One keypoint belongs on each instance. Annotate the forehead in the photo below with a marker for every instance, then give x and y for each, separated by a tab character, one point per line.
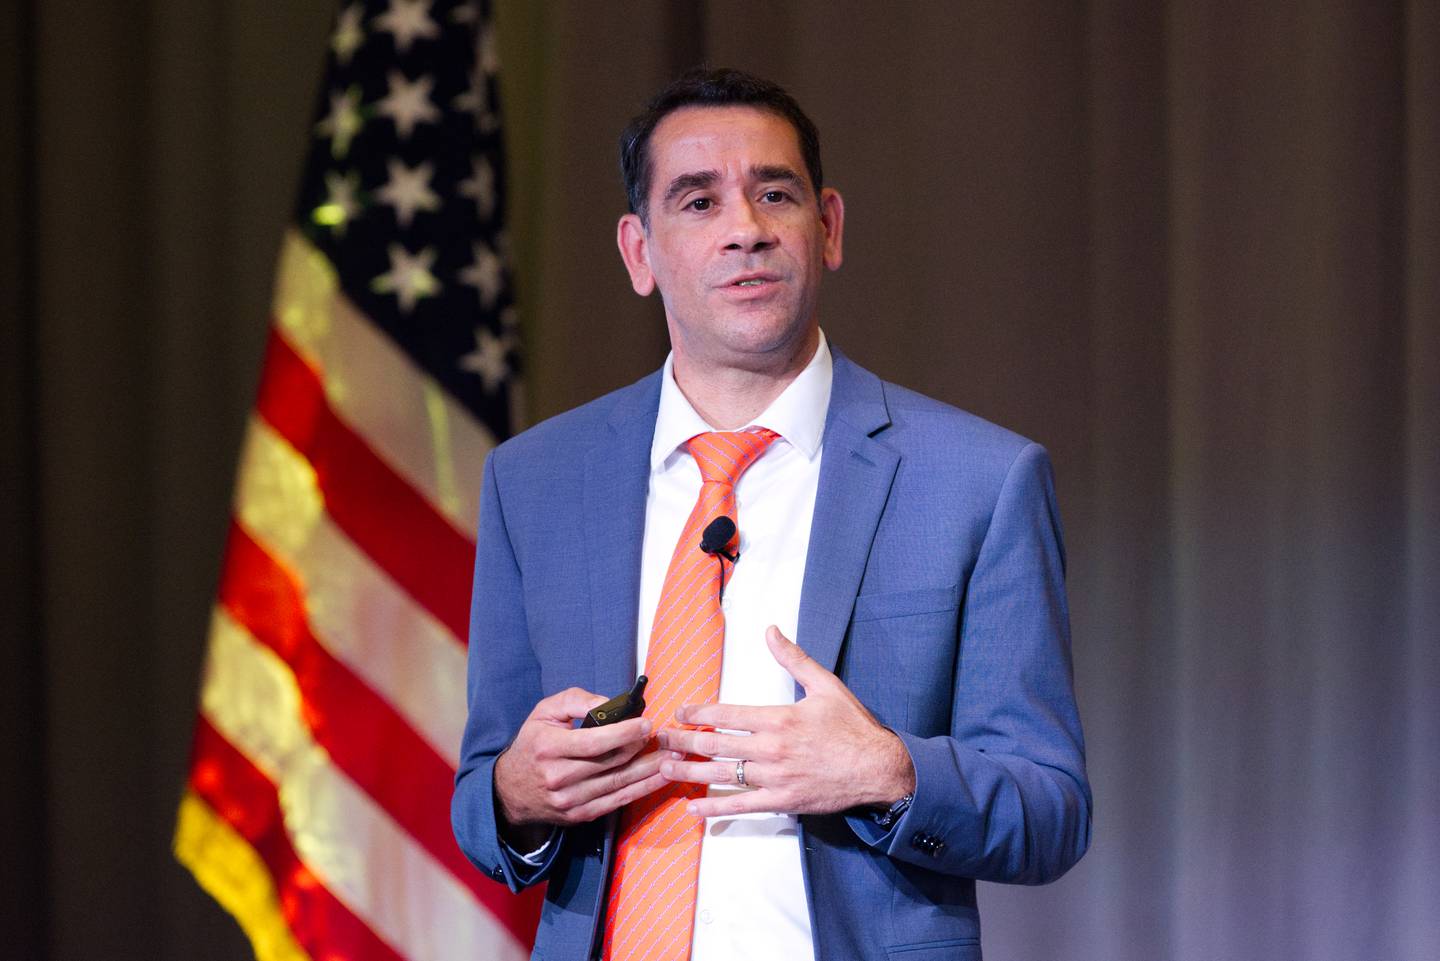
728	139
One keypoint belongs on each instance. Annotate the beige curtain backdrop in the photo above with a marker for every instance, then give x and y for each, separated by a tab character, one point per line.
1193	248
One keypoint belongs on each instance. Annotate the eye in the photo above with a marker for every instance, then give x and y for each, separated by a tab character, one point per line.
774	196
700	203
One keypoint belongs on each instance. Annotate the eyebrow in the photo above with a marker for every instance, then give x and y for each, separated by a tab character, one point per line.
777	173
702	179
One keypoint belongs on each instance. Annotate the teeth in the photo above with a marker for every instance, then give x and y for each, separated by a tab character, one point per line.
749	283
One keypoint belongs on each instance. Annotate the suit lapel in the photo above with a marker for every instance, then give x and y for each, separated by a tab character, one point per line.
855	477
617	473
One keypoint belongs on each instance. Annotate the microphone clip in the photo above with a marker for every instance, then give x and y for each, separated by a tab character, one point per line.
716	537
713	541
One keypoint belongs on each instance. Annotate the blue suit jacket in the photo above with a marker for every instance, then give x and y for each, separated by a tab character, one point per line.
934	587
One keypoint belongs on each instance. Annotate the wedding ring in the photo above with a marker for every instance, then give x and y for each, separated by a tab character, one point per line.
740	773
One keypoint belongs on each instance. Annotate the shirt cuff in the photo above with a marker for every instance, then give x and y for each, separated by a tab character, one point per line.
535	858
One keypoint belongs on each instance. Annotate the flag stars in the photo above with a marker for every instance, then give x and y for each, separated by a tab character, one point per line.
342	201
480	187
343	122
488	53
408	190
349	34
474	100
409	277
408	103
407	21
485	274
489	359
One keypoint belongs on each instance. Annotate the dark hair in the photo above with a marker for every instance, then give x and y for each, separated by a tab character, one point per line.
704	87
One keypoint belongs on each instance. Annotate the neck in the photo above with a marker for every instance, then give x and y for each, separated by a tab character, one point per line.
730	397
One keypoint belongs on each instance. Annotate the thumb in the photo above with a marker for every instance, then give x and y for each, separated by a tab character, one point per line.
793	658
569	705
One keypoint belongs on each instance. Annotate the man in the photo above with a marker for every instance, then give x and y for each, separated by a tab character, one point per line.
834	797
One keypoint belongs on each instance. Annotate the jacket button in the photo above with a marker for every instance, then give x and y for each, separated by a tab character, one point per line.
498	873
936	846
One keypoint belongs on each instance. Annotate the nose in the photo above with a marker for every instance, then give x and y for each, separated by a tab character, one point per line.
748	230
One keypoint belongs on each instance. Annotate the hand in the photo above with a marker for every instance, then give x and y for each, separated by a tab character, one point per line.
556	774
823	754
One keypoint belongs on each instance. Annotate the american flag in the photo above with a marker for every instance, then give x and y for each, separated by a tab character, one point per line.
317	807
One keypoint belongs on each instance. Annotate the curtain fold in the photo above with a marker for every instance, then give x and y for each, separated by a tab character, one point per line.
1420	254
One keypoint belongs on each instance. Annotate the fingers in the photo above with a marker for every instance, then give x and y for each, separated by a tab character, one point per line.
612	790
738	802
600	783
613	802
715	744
551	765
569	705
573	704
566	756
712	772
595	742
733	717
564	769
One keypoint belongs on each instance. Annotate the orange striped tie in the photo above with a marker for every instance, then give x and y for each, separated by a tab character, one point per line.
651	910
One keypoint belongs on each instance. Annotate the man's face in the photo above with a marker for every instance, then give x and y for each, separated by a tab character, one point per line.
736	239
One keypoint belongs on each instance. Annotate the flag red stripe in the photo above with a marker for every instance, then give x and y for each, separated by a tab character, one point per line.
380	511
241	795
363	734
358	728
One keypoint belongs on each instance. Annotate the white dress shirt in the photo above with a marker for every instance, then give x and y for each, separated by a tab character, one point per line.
751	902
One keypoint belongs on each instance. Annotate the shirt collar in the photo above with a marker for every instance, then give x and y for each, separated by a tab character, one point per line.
797	415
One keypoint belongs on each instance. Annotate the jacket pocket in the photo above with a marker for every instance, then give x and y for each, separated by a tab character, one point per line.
925	600
959	949
899	656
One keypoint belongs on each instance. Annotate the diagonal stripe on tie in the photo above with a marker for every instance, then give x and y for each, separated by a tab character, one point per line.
650	913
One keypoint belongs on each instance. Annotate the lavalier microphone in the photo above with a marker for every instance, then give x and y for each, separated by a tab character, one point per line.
717	534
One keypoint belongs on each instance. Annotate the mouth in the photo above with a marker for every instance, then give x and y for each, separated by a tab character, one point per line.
752	281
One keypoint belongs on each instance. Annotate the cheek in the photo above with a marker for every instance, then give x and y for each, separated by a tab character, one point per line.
678	267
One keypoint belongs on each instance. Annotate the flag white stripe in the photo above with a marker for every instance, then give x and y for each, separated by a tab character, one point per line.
417	427
354	609
351	844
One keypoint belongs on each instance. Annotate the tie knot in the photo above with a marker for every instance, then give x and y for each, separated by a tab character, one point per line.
724	455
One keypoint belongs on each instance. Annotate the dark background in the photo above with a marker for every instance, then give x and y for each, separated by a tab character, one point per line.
1192	248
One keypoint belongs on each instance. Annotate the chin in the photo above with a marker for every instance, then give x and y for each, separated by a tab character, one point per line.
764	340
755	338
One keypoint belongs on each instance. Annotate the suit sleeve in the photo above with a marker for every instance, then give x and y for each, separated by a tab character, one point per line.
502	686
1004	797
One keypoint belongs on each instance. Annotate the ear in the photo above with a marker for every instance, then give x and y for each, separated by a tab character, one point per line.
631	238
832	215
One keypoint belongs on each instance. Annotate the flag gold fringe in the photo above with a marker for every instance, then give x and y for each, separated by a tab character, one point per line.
228	868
